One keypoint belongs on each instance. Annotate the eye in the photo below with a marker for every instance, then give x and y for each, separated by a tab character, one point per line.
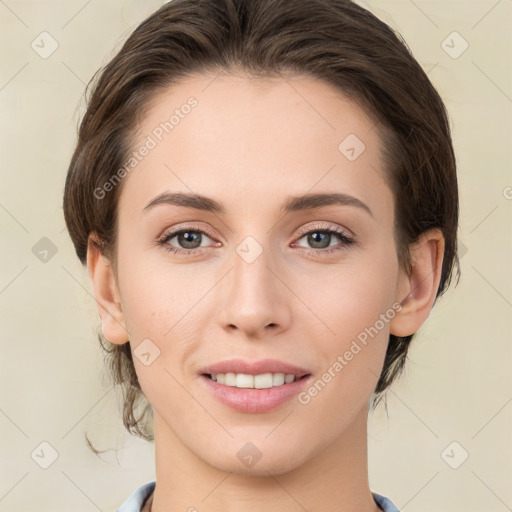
320	238
189	239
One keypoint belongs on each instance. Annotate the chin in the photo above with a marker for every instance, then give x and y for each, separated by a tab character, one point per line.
269	462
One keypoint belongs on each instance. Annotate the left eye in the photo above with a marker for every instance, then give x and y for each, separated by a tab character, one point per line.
321	238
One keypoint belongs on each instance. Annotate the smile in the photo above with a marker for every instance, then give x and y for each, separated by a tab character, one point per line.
259	393
261	381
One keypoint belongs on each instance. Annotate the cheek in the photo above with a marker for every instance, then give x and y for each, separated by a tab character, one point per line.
154	296
353	349
354	307
161	308
350	297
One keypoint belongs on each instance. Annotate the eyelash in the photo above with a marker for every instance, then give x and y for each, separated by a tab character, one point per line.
341	234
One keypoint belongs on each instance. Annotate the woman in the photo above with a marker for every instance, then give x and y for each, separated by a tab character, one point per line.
265	195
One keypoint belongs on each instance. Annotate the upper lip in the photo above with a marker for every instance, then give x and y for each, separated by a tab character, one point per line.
254	367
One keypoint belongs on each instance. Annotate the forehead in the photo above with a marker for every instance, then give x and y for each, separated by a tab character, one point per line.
230	136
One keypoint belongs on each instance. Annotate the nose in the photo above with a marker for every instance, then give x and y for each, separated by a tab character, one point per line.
254	297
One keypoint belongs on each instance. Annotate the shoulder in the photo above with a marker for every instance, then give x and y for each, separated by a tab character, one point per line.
384	503
137	498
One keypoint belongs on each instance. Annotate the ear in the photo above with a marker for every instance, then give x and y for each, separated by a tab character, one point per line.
106	293
417	290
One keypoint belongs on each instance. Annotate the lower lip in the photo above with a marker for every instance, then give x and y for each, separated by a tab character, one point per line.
252	400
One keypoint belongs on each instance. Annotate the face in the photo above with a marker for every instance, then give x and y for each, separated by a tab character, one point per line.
252	279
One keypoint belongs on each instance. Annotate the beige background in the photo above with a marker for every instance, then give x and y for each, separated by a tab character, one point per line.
458	384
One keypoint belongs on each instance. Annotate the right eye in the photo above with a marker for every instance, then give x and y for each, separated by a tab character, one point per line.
188	238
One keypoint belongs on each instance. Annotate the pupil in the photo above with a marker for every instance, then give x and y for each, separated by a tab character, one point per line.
317	235
188	238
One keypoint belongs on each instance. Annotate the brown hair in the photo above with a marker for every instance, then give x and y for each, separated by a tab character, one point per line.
333	40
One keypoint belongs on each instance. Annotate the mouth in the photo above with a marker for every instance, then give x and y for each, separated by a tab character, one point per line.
256	392
254	374
259	381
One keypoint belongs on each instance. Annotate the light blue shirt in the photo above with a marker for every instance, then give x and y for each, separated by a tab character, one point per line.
136	500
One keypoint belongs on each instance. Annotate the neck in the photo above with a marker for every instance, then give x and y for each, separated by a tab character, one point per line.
335	478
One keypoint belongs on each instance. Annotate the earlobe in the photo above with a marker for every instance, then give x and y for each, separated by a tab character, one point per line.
106	293
417	290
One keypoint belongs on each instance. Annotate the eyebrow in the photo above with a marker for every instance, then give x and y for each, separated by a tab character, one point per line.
292	204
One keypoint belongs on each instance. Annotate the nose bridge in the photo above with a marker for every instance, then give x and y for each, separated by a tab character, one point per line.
252	278
253	254
253	298
252	261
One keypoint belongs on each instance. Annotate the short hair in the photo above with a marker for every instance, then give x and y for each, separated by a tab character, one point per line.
336	41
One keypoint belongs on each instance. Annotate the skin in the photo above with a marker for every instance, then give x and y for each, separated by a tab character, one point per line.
250	145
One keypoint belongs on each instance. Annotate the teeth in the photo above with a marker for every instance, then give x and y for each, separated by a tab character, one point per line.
278	379
262	381
289	378
230	379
